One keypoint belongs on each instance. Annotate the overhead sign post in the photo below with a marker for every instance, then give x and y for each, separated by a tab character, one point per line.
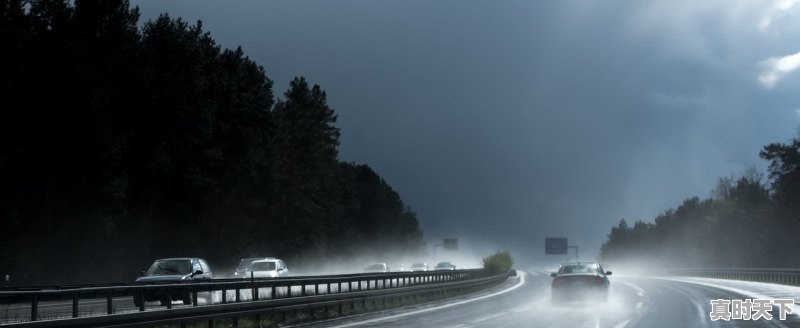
450	244
555	246
558	246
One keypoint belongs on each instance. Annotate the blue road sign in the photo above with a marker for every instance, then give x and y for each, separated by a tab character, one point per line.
555	246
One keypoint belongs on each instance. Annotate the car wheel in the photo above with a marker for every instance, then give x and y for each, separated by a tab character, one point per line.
187	299
137	301
164	301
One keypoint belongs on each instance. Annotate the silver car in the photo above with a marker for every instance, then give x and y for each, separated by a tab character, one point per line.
245	263
376	268
267	268
445	266
177	270
397	268
419	267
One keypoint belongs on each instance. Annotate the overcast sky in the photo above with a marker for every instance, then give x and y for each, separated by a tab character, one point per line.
504	122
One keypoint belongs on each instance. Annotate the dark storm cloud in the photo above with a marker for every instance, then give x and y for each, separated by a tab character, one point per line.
503	122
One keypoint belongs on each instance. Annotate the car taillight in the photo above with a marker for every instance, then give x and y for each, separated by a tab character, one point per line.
599	280
559	281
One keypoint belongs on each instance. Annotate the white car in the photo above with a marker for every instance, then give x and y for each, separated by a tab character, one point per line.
377	267
419	267
397	268
445	266
268	268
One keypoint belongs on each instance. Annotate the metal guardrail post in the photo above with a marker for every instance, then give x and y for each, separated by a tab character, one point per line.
35	307
75	305
110	302
388	281
141	299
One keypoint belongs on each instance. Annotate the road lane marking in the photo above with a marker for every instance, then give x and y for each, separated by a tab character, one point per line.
753	294
444	306
522	309
639	290
489	317
622	324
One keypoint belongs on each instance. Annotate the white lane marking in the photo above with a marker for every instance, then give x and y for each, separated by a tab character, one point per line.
489	317
522	309
686	291
639	290
517	285
622	324
795	308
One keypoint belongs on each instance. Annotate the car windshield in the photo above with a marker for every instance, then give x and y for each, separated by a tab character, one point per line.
263	266
578	268
417	265
244	263
443	264
170	267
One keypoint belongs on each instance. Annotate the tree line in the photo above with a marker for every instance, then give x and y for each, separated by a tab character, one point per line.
748	221
122	143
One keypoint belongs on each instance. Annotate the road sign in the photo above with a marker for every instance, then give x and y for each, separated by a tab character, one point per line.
451	244
555	246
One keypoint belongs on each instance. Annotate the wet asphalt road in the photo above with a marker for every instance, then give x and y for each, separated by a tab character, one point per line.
525	302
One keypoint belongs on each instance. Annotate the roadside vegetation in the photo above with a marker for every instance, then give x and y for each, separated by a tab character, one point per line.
749	221
123	142
499	262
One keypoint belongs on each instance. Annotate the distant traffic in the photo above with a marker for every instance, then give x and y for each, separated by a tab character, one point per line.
188	269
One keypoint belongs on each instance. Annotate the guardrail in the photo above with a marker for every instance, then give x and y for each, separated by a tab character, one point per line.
776	276
228	298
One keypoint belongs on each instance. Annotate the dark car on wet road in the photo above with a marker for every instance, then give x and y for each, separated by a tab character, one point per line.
172	270
580	282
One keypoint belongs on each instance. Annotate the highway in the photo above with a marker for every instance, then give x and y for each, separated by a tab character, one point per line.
525	302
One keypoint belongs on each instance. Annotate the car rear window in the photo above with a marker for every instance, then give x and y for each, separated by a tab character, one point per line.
263	266
245	263
579	268
170	267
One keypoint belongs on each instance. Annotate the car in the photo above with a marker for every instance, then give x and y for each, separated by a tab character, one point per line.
397	268
419	267
376	267
266	268
244	263
580	281
445	266
176	270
